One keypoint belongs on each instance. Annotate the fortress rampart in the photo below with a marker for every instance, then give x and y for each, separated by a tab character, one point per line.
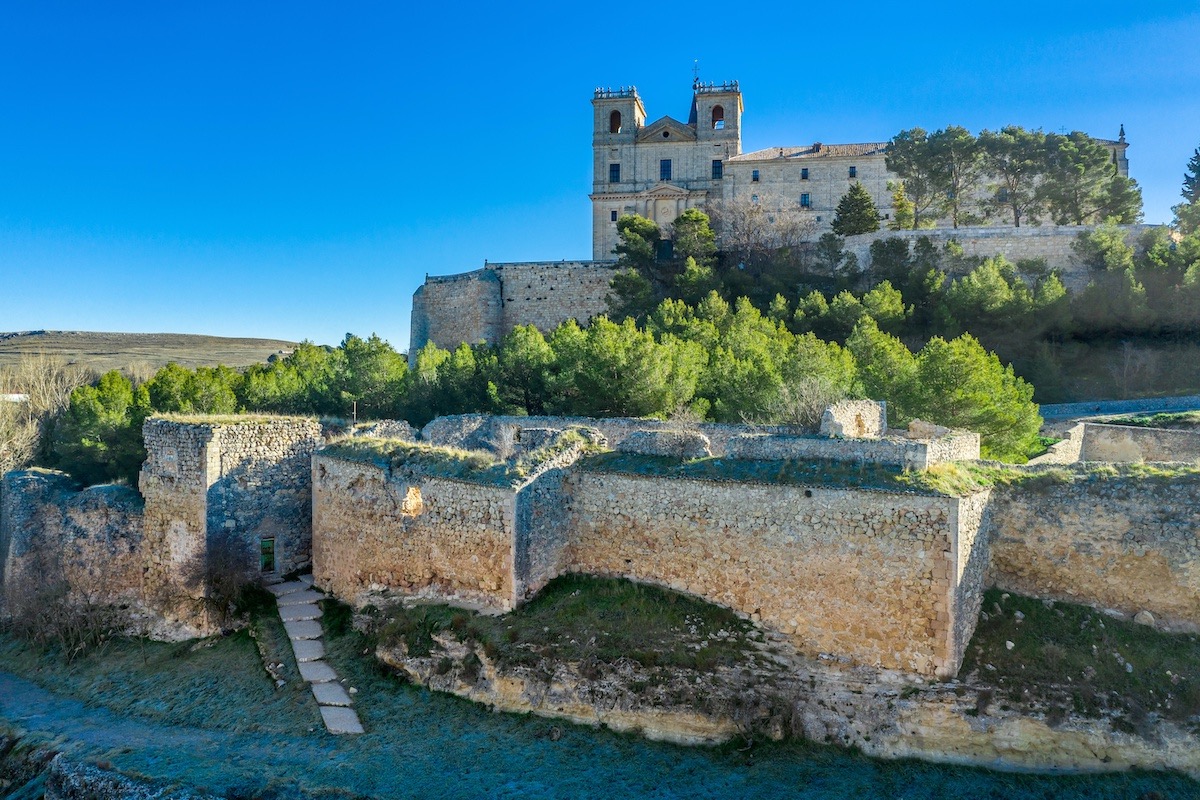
484	305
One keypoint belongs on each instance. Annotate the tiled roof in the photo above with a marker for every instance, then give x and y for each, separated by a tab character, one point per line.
813	151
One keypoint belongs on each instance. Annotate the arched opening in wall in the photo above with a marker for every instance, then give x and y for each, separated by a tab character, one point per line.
718	118
614	122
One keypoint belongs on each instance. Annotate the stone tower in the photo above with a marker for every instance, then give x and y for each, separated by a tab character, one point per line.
658	169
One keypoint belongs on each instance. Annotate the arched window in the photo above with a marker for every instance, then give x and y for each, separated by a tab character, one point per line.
718	118
614	122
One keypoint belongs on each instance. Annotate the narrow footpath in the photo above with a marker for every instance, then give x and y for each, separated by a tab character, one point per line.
297	601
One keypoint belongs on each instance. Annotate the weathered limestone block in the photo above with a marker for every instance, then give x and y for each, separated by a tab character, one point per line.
857	419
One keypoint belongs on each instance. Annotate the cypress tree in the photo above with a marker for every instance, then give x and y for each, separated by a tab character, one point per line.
856	213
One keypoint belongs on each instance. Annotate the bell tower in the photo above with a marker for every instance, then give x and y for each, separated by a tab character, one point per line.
717	114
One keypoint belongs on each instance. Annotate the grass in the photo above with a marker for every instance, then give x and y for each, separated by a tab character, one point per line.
808	472
102	352
1184	420
475	466
585	618
1068	657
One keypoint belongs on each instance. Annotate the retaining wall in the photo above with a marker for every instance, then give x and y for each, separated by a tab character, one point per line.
1119	443
1127	543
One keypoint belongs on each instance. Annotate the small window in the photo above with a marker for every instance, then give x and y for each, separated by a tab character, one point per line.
718	118
612	215
614	122
754	199
614	173
754	176
806	200
718	171
804	174
664	169
854	172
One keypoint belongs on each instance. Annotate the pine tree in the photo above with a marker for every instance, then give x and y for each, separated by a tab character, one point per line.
856	213
1187	213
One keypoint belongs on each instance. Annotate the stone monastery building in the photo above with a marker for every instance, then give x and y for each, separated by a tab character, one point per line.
658	170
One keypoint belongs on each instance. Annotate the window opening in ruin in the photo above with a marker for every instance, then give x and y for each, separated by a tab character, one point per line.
754	176
266	554
718	118
854	172
718	169
614	122
664	169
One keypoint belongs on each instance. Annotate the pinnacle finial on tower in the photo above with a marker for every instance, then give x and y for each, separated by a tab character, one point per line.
695	74
1121	138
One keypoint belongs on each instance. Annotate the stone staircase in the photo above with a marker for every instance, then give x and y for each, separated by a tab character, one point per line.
297	601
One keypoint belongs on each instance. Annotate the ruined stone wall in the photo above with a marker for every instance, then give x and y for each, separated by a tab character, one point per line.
174	483
91	538
1130	443
1049	242
971	558
434	537
870	577
1113	542
486	304
260	486
1067	451
542	531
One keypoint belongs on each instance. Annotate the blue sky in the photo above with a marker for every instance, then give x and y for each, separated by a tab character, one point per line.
293	170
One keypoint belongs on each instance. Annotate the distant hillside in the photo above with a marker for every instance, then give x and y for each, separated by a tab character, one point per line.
140	351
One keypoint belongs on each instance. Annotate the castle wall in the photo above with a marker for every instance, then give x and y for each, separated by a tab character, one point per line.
91	538
453	309
1049	242
1131	443
893	450
261	487
869	577
1122	542
437	538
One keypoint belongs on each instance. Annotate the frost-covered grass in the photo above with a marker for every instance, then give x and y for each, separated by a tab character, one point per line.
259	743
1072	658
585	618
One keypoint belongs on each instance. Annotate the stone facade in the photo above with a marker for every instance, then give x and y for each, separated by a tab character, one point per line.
1111	541
248	477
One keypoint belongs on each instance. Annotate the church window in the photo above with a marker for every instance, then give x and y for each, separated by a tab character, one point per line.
718	118
718	171
854	172
614	122
612	215
804	174
614	173
806	200
754	176
664	169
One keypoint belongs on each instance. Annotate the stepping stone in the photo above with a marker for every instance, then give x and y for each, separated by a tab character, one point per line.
306	579
331	694
282	589
308	650
299	612
316	672
303	629
305	595
340	720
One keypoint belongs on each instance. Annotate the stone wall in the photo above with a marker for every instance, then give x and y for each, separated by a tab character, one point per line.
1049	242
484	305
1066	451
875	578
426	537
892	450
855	418
1121	542
248	477
1130	443
91	538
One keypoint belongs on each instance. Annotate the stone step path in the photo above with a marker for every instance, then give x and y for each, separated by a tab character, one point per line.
301	615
